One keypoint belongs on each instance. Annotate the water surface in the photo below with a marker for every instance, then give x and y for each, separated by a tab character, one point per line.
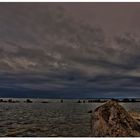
49	119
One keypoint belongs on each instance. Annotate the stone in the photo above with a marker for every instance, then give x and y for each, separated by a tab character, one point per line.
112	120
28	101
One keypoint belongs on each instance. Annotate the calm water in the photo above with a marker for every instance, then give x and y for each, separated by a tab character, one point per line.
49	119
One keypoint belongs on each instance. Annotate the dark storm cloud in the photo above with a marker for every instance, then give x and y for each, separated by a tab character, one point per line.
69	50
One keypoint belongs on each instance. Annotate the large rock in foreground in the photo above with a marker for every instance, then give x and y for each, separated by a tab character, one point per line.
112	120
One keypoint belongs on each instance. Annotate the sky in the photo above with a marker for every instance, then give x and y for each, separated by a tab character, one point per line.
70	50
114	18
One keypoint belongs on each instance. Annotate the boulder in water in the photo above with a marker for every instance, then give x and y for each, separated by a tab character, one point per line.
112	120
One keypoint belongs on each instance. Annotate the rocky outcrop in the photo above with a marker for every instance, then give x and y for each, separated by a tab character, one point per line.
112	120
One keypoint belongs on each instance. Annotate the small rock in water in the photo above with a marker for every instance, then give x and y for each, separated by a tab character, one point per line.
28	101
44	102
112	120
90	111
79	101
61	101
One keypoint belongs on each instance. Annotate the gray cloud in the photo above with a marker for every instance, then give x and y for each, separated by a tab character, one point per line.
46	50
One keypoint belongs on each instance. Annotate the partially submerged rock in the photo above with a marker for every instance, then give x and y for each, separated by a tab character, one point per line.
111	119
28	101
61	101
44	102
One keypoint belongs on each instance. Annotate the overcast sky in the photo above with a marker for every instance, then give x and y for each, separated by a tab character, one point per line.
69	50
113	17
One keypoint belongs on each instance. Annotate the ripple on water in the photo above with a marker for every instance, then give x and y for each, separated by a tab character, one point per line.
51	119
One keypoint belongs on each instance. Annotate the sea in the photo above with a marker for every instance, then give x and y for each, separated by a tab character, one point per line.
52	119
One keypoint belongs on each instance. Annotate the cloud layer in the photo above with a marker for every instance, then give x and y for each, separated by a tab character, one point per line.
46	52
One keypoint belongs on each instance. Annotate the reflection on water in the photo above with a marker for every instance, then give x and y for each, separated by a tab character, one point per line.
48	119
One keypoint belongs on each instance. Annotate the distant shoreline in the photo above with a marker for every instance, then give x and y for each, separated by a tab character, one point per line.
69	98
61	100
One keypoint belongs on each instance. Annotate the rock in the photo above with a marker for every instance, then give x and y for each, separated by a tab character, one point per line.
135	115
44	102
78	101
61	101
90	111
112	120
1	100
28	101
10	101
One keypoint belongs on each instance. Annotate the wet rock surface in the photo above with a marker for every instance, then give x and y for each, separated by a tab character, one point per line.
111	119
